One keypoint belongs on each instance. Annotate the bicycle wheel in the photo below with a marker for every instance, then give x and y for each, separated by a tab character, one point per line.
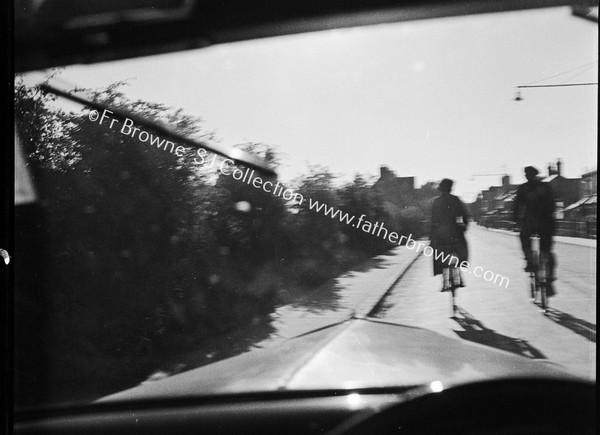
535	275
542	283
532	286
453	285
543	298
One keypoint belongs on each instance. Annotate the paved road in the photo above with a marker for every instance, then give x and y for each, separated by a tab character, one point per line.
504	318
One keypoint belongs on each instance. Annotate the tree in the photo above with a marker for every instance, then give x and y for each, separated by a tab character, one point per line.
358	198
128	260
144	254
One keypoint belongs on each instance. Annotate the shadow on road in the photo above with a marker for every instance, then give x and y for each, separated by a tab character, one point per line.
372	263
476	331
578	326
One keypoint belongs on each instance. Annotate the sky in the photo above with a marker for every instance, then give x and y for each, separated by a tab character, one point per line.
431	99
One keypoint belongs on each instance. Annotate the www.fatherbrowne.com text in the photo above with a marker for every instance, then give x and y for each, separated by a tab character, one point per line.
227	167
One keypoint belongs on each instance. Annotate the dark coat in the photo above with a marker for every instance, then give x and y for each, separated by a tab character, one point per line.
449	220
534	206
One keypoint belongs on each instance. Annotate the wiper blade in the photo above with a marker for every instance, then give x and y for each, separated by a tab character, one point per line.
235	154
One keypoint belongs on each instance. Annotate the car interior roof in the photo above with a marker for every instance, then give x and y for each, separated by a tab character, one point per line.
50	33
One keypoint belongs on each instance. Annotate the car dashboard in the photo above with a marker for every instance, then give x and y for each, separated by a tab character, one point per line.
509	406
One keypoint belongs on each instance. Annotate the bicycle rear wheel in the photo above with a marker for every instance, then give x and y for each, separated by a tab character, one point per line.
543	297
542	282
538	276
453	285
532	286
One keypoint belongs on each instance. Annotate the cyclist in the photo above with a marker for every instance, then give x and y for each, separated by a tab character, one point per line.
449	220
533	212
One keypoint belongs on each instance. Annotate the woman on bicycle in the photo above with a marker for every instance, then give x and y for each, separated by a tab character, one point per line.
449	220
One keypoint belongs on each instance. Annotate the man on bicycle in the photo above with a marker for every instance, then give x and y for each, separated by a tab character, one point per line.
534	213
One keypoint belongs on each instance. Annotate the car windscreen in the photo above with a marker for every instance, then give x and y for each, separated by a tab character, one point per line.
140	256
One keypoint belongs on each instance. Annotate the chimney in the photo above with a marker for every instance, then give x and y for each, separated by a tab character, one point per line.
506	181
549	169
558	165
384	172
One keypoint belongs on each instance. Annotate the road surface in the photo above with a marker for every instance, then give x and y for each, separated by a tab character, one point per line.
505	318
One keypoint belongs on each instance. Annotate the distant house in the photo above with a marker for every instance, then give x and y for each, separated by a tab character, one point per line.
495	201
586	207
566	190
403	202
575	200
583	209
589	183
505	201
399	191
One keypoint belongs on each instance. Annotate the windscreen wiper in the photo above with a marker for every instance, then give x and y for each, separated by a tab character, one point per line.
235	154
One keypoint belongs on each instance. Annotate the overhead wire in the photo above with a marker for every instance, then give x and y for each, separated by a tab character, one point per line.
560	74
580	70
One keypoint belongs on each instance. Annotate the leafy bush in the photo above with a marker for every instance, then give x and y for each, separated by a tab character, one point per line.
139	254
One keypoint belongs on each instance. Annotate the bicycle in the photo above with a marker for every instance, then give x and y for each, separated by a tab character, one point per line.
538	285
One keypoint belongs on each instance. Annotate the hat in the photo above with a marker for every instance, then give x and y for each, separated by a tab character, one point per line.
531	171
445	185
